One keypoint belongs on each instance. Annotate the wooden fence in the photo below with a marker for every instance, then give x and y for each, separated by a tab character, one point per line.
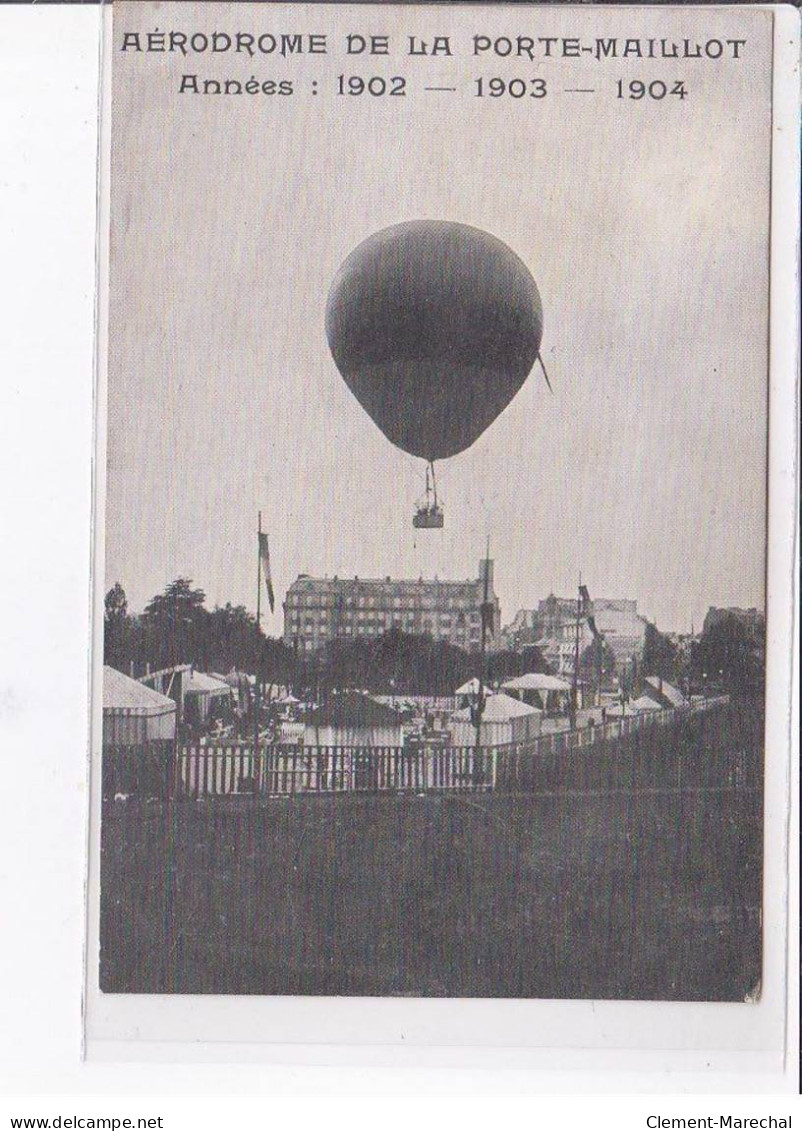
280	770
666	747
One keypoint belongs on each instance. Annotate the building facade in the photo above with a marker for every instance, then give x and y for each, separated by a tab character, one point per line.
752	620
320	610
552	627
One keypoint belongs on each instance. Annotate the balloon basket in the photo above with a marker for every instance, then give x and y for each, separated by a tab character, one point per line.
428	518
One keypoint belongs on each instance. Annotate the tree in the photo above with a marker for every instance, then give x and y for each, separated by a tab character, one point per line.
659	655
174	625
395	661
533	660
597	663
177	628
116	604
178	602
117	627
729	656
234	643
507	664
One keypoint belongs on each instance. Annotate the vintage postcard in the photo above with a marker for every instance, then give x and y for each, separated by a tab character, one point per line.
432	550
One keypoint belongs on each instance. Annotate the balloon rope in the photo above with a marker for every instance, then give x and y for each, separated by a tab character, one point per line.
545	374
434	481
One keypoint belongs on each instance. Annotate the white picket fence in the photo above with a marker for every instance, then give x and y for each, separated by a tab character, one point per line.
277	770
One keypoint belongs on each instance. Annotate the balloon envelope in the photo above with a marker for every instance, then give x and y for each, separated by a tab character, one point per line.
434	327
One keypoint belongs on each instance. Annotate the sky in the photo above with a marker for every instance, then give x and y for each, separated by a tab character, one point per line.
644	225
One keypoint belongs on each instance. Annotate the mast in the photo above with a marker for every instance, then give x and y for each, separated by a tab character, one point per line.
599	642
480	698
575	680
258	689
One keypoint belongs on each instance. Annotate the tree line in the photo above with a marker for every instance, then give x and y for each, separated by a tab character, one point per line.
176	627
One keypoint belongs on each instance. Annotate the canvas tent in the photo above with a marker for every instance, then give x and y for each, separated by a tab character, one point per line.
205	695
138	738
200	696
466	694
504	720
352	718
539	690
133	714
644	703
663	693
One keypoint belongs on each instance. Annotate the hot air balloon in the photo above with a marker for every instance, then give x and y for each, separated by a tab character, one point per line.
434	326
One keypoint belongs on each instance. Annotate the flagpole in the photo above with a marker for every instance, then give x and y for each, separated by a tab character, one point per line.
480	705
575	688
258	689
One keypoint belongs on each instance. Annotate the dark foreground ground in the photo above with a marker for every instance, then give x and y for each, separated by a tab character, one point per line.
640	892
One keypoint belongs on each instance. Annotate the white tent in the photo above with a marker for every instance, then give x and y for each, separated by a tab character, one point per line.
536	681
663	692
504	720
134	714
538	687
631	708
203	694
467	693
644	703
617	711
201	683
471	687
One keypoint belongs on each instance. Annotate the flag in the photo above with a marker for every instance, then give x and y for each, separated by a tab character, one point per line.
594	629
586	610
264	554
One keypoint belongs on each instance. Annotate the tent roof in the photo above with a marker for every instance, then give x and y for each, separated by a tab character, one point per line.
499	708
644	703
200	682
633	707
666	689
616	711
536	681
121	694
353	710
471	687
167	671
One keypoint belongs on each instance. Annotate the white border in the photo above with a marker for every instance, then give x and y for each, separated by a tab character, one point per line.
696	1038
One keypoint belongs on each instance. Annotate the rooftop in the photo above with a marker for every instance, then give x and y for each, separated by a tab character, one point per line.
499	708
303	581
664	688
537	681
123	695
353	709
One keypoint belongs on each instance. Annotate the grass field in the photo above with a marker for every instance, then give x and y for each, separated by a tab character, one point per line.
606	893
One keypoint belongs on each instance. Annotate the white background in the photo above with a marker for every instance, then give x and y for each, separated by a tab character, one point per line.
48	115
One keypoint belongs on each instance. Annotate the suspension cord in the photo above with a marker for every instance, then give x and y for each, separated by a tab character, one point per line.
434	481
545	374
